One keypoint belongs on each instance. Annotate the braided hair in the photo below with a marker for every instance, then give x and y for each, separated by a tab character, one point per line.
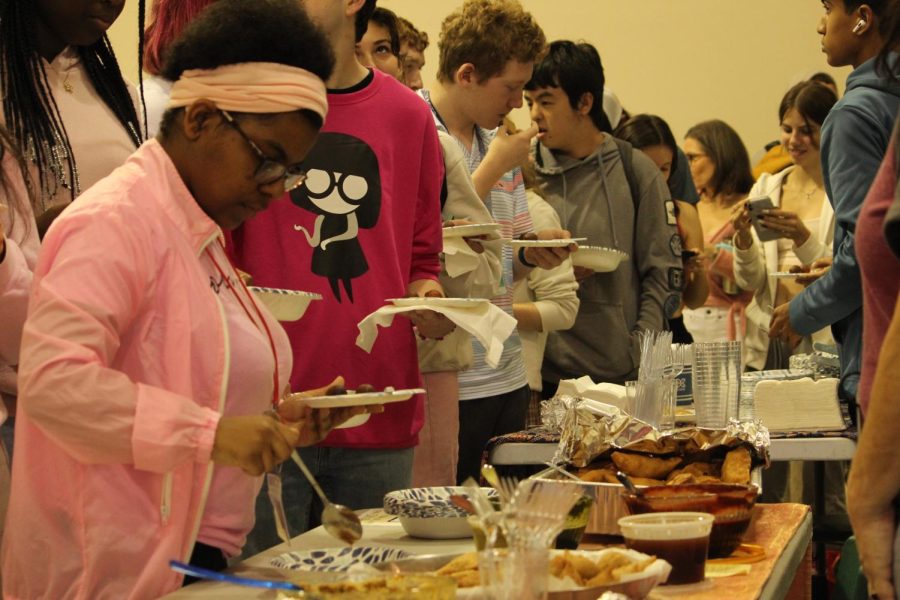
29	109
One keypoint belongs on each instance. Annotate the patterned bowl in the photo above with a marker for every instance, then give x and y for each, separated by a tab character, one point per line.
336	559
429	512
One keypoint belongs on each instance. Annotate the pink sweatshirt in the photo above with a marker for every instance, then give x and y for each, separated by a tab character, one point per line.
364	225
125	364
880	271
22	245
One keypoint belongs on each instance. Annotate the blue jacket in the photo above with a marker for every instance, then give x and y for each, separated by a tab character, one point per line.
855	137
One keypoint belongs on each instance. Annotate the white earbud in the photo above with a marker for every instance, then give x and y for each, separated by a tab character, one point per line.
859	25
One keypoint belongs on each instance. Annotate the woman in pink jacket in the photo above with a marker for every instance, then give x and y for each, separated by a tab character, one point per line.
146	365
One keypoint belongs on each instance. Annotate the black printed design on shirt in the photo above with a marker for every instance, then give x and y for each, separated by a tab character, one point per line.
343	188
675	245
217	283
676	278
671	305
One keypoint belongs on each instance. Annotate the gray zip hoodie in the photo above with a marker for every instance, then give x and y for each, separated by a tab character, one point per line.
593	199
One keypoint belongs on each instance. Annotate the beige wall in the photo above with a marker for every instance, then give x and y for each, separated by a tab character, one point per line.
685	60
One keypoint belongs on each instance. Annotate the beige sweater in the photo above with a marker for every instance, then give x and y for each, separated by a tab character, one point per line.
553	291
454	352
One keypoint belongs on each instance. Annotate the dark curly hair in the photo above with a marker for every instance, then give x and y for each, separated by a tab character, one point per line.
29	109
239	31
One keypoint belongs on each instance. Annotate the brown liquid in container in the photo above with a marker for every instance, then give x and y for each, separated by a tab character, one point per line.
687	557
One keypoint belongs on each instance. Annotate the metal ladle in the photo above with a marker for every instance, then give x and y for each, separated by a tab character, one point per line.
337	519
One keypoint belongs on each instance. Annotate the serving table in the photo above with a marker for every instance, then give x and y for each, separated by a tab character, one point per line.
783	530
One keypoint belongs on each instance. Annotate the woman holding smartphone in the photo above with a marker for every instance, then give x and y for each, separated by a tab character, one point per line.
799	228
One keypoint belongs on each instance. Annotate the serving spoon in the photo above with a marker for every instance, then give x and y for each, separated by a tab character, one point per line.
629	484
337	519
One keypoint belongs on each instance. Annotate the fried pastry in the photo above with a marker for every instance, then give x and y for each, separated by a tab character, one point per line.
736	468
467	579
463	562
605	475
650	467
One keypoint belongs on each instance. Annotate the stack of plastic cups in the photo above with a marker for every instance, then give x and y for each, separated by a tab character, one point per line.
717	382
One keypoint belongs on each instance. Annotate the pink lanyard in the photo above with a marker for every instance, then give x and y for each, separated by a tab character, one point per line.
265	326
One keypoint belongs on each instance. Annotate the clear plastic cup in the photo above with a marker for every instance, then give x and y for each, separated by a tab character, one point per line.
514	573
716	382
679	538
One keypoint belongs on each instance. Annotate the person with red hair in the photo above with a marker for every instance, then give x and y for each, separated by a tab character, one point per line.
168	20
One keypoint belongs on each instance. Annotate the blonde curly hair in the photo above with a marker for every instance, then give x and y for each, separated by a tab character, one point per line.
488	34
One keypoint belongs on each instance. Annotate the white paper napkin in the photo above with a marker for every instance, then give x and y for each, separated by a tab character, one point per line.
607	393
459	258
488	323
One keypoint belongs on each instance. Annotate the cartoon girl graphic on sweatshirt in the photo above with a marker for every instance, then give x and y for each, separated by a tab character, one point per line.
343	188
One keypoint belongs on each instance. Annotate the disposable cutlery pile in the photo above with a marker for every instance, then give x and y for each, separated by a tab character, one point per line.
655	376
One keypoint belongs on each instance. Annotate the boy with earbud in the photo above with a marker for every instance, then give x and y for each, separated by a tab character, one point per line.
854	139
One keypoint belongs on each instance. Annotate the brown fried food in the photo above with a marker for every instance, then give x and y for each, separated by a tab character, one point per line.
691	473
647	481
586	567
467	579
708	479
572	573
605	567
650	467
635	567
463	562
558	563
606	475
681	478
736	468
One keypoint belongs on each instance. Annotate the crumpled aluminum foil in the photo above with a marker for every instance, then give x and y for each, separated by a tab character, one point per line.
589	429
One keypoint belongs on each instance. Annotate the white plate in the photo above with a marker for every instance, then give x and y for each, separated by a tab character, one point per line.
285	305
597	258
357	399
491	230
441	302
355	421
336	559
544	243
786	275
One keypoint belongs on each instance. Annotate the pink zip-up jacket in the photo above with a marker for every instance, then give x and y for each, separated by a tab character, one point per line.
22	245
122	380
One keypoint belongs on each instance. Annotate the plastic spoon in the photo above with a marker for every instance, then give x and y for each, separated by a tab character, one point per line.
337	519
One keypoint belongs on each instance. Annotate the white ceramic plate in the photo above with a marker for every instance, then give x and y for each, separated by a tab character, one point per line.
786	275
491	230
544	243
362	399
441	302
336	559
285	305
596	258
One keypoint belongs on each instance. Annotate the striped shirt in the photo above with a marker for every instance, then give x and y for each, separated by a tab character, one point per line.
508	205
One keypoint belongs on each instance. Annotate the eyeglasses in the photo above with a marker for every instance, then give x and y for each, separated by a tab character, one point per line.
269	171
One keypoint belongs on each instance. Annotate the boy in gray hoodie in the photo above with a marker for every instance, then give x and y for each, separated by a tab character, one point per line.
614	196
